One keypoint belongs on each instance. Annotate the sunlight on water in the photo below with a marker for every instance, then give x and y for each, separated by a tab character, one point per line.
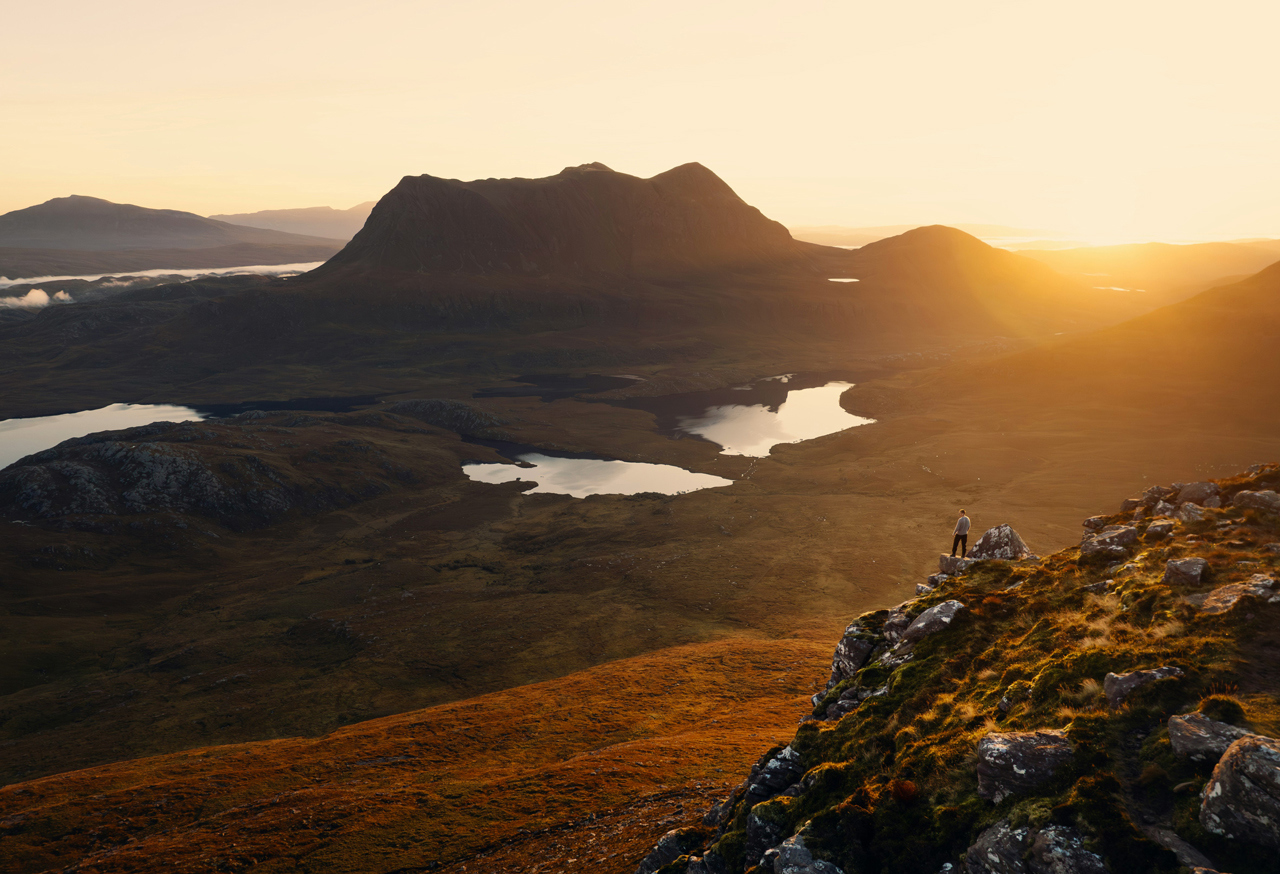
842	279
754	430
22	437
581	477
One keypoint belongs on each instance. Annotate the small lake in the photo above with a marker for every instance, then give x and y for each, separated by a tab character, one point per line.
580	477
22	437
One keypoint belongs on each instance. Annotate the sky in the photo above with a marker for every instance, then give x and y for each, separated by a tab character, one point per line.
1097	120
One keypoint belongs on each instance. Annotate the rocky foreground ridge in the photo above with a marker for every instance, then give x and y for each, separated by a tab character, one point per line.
1112	707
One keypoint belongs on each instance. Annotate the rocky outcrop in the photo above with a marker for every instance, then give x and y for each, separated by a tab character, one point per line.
1113	541
453	416
773	775
1054	849
793	857
1223	598
851	654
1184	571
1268	501
1001	542
1159	530
1201	738
931	621
1242	798
1117	687
762	834
1017	762
671	846
1198	493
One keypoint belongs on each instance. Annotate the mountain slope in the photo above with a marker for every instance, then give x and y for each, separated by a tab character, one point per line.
319	221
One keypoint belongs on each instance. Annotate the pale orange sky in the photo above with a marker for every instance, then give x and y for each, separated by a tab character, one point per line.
1108	120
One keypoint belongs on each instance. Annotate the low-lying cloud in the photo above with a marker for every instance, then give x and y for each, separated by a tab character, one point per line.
34	300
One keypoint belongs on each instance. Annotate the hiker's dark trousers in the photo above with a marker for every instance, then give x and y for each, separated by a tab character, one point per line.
962	541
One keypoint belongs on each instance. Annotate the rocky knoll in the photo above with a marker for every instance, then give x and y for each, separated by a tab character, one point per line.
240	473
585	220
1111	707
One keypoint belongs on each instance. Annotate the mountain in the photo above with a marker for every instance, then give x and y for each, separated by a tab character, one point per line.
76	236
584	221
839	235
92	224
1163	269
319	221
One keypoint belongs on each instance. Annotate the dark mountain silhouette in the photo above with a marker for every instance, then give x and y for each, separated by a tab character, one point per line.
586	220
319	221
90	223
82	235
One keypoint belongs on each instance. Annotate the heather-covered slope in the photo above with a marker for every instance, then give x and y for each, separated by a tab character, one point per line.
1114	704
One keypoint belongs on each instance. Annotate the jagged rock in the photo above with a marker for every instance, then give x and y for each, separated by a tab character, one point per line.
1268	501
1117	687
1001	542
793	857
936	580
1130	504
671	846
1184	571
1223	598
896	624
773	775
1163	508
1056	849
1197	493
1160	529
1154	495
1201	738
1242	798
1094	523
924	589
761	835
1111	542
708	863
932	620
1019	761
953	565
851	653
1189	512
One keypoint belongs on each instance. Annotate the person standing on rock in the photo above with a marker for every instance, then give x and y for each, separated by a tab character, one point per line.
962	535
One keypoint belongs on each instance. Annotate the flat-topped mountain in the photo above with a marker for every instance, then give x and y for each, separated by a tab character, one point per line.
318	221
90	223
584	220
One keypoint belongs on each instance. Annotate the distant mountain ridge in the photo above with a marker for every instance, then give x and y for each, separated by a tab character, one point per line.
584	220
320	221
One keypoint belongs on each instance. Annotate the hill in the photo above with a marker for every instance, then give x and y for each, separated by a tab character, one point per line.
86	235
839	235
1111	705
317	221
1171	272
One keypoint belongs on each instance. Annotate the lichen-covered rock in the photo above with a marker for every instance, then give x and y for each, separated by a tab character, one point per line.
1201	738
851	653
1184	571
1095	523
671	846
1055	849
932	620
1159	530
1223	598
1017	762
1197	493
1110	542
1002	543
1117	687
772	775
1060	849
1190	512
998	850
1268	501
1163	508
1154	495
953	565
762	834
1242	798
923	589
793	857
708	863
896	624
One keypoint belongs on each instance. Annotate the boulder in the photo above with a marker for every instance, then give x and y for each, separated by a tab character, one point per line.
896	624
793	857
932	620
936	580
671	846
772	775
1197	493
1267	501
851	653
708	863
1242	798
1160	529
951	565
1111	542
1117	687
1055	849
1093	523
1156	494
1130	504
1223	598
1017	762
1189	513
1164	508
1184	571
923	589
1002	543
1201	738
